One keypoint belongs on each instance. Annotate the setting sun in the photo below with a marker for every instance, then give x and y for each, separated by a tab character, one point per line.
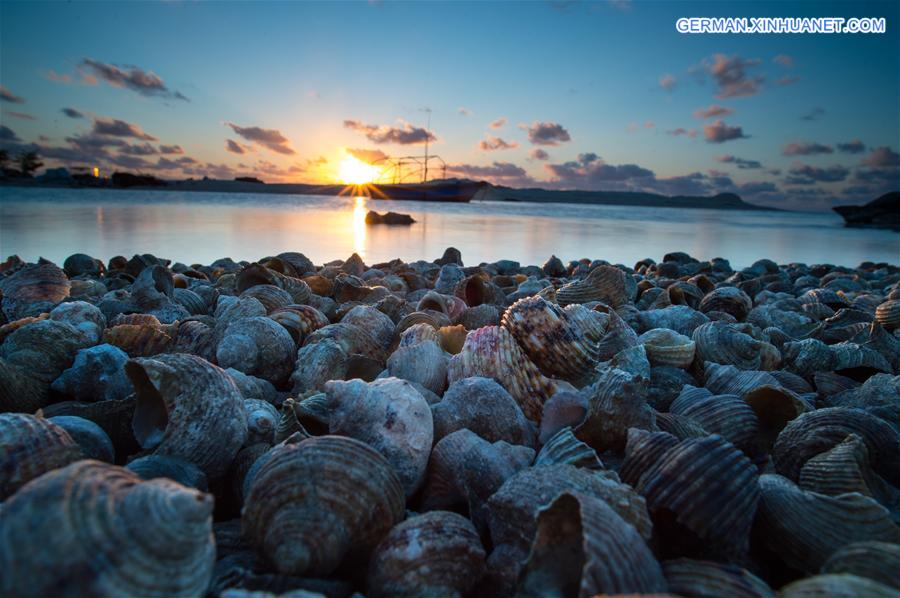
353	171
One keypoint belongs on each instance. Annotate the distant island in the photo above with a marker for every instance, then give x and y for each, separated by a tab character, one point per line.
883	212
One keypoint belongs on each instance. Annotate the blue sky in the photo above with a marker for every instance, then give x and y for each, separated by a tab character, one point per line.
592	93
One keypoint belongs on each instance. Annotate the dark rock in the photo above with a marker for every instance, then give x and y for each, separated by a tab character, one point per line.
374	217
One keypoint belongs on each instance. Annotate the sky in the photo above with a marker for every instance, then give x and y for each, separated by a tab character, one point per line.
566	95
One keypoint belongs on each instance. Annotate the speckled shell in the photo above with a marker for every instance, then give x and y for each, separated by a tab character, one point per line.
840	586
424	363
805	528
29	447
437	553
86	318
391	416
317	364
485	408
727	415
616	402
33	289
820	430
667	347
188	408
272	297
312	503
723	343
708	579
492	352
418	333
642	450
259	347
730	300
141	340
97	374
605	554
559	348
98	529
480	315
184	472
353	339
11	327
605	283
565	448
878	561
711	489
888	314
593	324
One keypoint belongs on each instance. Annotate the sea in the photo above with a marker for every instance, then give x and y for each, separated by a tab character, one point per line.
200	227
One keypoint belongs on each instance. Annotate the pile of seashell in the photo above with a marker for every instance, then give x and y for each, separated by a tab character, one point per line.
430	429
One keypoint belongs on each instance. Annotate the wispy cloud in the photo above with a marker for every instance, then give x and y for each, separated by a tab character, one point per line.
113	127
495	143
712	111
8	96
464	111
786	80
831	174
234	147
367	155
171	149
739	162
7	134
851	147
719	132
499	123
405	134
271	139
52	75
134	78
682	131
784	60
815	114
732	76
21	115
806	148
668	82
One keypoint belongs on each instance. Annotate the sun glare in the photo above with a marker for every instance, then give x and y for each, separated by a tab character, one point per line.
353	171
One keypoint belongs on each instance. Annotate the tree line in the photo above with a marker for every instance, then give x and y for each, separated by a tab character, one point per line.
24	164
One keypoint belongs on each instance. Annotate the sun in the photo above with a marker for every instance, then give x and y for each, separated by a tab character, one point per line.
353	171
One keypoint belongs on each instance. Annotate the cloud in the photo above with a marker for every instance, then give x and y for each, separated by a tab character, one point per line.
8	96
851	147
406	134
649	125
882	157
170	149
234	147
22	115
499	123
806	148
495	143
547	133
502	173
52	75
719	132
464	111
367	155
814	114
268	138
668	82
786	80
712	111
731	76
831	174
72	113
134	78
139	149
784	60
682	131
114	127
7	134
538	154
739	162
589	171
889	176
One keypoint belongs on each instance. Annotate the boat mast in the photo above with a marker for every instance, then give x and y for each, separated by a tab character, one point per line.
427	135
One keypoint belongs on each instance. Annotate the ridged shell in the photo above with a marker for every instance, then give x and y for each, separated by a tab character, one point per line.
837	586
804	528
774	407
141	340
299	321
642	450
730	300
97	529
607	284
480	315
424	363
726	415
369	318
603	553
845	468
191	301
253	275
317	364
477	290
43	349
619	335
593	324
86	318
33	289
680	318
195	338
312	503
565	448
19	392
680	426
188	408
888	314
859	361
450	305
708	579
878	561
184	472
448	278
354	340
492	352
710	488
271	296
29	447
807	357
729	380
437	553
667	347
719	342
91	439
258	347
616	402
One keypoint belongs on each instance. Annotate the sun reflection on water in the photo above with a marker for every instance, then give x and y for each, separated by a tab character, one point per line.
359	226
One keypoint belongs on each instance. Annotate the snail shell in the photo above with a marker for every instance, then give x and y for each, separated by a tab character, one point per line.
98	374
87	319
730	300
485	408
29	447
680	426
424	363
188	408
20	392
642	450
667	347
608	554
450	305
43	349
318	363
844	468
619	335
808	356
616	402
878	561
98	529
607	284
887	314
729	380
477	290
689	577
774	407
262	418
299	321
33	289
195	338
593	324
437	553
723	343
191	301
271	296
79	264
141	340
727	415
354	340
257	346
448	278
369	318
479	316
312	503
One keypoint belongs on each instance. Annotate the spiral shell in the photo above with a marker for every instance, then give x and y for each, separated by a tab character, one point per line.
188	408
196	338
19	392
141	340
730	300
299	320
618	337
33	289
98	529
878	561
184	472
259	347
97	374
424	363
616	402
79	264
642	450
723	343
774	407
272	297
353	339
492	352
437	553
450	305
29	447
888	314
313	503
727	415
607	284
262	418
807	357
477	290
844	468
608	554
688	577
565	448
667	347
87	319
479	316
485	408
317	364
727	379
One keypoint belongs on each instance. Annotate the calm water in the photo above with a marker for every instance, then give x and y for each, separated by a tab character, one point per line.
194	227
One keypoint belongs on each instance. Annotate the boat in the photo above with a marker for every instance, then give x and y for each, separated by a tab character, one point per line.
456	191
883	212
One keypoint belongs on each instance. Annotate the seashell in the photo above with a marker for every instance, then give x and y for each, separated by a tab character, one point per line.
312	503
680	318
820	430
262	418
668	348
666	383
774	407
807	357
349	288
730	300
11	327
709	488
844	585
79	264
607	284
558	348
91	439
97	374
485	408
253	275
188	408
43	349
726	415
878	561
554	267
141	340
389	415
642	450
378	324
492	352
722	343
839	470
616	402
184	472
564	409
33	289
271	296
452	338
633	361
436	553
805	528
792	382
477	290
19	392
887	314
318	363
450	305
424	363
114	417
593	324
448	278
419	333
565	448
191	301
153	291
257	346
858	361
354	340
688	577
30	446
680	426
319	285
299	263
298	290
87	319
479	316
196	338
299	321
829	384
608	556
619	335
98	528
727	379
885	343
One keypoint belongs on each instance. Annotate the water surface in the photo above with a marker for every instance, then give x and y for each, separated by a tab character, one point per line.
199	227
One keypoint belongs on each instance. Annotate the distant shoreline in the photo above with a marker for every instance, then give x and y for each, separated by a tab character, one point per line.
722	201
